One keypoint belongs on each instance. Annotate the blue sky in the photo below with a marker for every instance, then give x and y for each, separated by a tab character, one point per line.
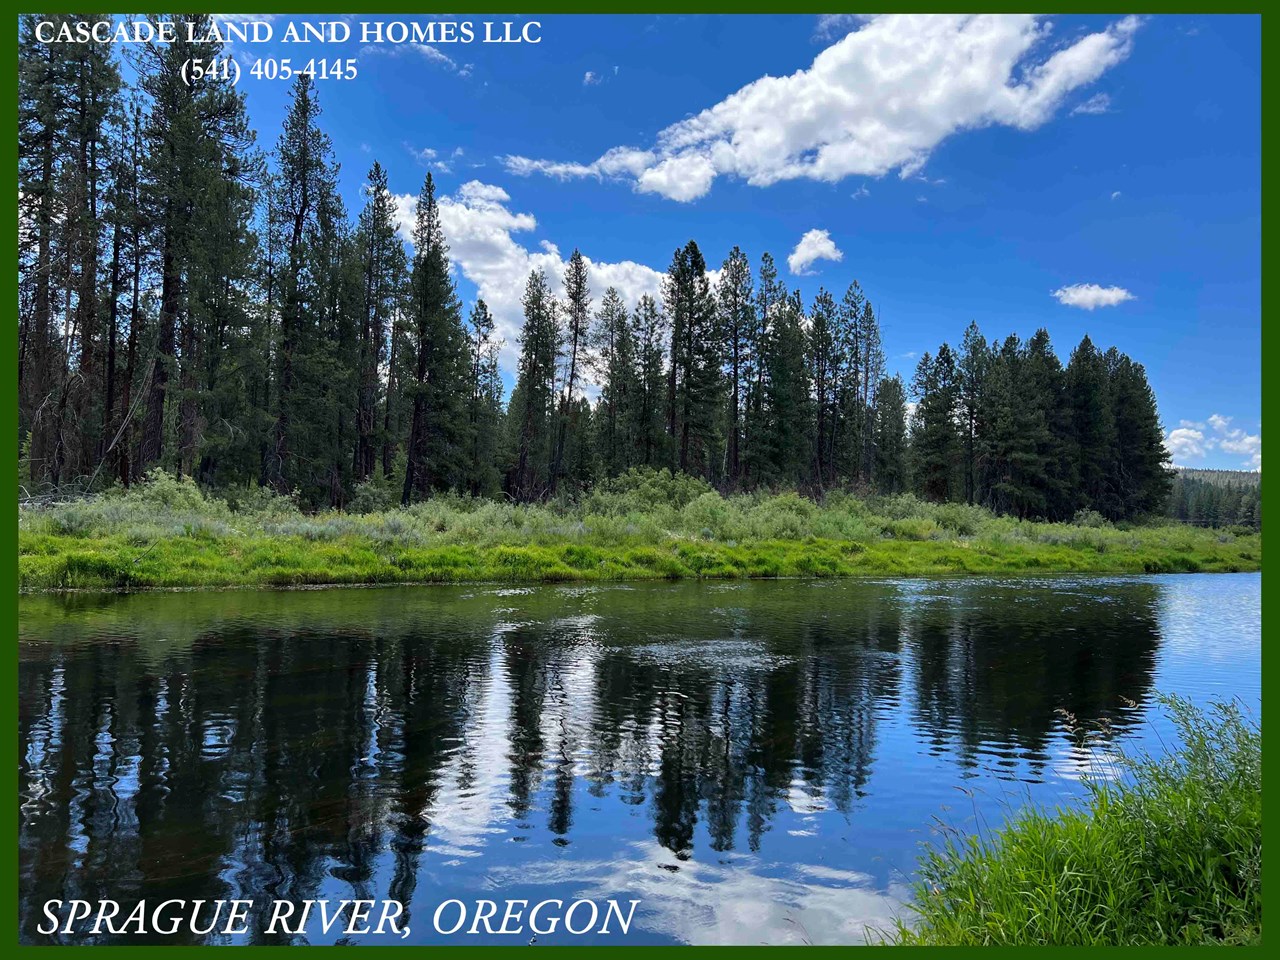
960	168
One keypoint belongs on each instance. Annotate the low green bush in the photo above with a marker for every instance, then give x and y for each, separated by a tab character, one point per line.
643	489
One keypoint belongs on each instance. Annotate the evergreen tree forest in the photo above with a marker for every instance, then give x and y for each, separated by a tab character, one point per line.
193	300
1217	498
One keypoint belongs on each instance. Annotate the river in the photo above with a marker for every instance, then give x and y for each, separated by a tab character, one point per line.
755	762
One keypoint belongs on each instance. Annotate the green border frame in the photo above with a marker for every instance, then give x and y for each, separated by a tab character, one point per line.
8	352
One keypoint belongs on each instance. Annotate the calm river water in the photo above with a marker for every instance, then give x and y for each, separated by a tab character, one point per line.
754	762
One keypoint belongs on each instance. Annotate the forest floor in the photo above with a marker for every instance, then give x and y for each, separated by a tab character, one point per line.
168	534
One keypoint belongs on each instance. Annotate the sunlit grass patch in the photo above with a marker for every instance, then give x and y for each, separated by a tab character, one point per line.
1168	853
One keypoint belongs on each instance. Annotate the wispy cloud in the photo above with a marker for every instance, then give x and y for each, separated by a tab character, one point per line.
428	52
1098	103
430	157
833	25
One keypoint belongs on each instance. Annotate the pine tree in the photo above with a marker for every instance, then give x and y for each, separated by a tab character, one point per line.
615	350
1013	439
41	79
935	442
484	405
694	373
1093	430
770	296
1046	386
890	474
851	421
118	217
198	174
330	351
825	363
383	288
437	347
577	329
787	425
304	186
975	359
1142	477
531	413
91	105
129	187
870	360
68	105
738	321
649	328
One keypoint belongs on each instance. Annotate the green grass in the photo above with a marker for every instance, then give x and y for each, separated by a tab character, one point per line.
167	533
1170	853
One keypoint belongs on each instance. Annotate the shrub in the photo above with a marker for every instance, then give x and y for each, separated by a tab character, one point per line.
960	518
373	496
161	489
1090	518
911	528
782	517
1169	853
712	517
643	489
258	501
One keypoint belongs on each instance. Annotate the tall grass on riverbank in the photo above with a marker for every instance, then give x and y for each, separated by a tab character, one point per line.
168	533
1170	853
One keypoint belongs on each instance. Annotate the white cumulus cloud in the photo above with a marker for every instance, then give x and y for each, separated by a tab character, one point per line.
1193	439
813	246
1235	440
879	99
1185	443
1090	296
482	231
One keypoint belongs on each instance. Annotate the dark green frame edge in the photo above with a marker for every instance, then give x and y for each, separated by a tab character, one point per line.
8	351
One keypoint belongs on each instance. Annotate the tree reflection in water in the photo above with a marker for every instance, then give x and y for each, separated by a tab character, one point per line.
411	743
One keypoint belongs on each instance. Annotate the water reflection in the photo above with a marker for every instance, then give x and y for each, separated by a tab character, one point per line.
756	762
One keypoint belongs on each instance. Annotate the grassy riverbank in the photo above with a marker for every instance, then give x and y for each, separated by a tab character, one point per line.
167	533
1170	853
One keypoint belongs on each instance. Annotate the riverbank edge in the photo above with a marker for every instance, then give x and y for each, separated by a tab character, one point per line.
64	563
1092	875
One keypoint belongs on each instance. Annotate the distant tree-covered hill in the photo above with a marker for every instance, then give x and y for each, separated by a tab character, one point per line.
1216	498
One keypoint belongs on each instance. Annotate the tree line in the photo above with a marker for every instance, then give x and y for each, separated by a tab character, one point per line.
191	302
1216	498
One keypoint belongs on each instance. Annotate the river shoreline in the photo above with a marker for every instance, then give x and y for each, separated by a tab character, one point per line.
168	533
58	564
